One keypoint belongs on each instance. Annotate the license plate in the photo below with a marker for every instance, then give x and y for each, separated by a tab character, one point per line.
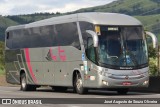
126	83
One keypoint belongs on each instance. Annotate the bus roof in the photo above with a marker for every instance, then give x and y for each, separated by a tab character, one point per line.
97	18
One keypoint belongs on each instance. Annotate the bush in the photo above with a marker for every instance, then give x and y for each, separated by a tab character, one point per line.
153	61
152	52
153	66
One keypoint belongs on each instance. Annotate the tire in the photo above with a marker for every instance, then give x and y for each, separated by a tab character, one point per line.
59	89
122	91
24	85
78	85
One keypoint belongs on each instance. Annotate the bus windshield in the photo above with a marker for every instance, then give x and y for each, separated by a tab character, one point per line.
122	46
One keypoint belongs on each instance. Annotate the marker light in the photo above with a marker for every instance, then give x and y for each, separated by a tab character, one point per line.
97	29
145	82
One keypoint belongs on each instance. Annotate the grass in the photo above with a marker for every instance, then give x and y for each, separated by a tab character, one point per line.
149	20
2	72
131	6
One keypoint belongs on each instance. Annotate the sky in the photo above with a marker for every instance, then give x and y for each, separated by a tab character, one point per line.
16	7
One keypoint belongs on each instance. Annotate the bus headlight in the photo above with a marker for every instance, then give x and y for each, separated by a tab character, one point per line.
105	82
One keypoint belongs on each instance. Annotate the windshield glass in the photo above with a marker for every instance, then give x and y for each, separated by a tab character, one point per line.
122	46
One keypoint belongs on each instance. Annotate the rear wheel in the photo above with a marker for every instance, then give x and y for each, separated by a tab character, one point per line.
24	85
78	85
122	91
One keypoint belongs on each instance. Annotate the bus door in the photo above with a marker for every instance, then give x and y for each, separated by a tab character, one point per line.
90	63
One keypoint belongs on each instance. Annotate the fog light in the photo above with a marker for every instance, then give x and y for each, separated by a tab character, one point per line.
145	82
105	82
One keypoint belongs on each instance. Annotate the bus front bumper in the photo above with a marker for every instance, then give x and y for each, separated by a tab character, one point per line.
123	82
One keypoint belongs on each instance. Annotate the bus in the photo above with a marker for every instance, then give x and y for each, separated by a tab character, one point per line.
82	51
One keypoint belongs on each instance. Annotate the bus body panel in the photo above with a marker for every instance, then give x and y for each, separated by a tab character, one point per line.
55	65
42	69
12	66
124	78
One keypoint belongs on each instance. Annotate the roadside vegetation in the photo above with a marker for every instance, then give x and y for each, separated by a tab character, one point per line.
153	61
1	58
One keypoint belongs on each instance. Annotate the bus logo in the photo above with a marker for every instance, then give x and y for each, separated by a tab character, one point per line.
51	56
127	77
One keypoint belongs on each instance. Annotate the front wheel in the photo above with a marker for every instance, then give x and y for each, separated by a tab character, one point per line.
78	84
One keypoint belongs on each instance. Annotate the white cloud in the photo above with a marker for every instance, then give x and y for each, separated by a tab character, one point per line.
14	7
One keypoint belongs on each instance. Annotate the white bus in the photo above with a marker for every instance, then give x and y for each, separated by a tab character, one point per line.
84	51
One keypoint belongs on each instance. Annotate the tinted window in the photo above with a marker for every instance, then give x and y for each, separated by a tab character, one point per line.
46	36
86	26
67	34
9	40
90	49
20	39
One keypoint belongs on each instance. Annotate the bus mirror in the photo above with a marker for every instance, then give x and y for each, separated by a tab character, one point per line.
154	39
94	36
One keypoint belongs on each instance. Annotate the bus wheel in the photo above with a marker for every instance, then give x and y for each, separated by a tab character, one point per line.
24	85
78	84
122	91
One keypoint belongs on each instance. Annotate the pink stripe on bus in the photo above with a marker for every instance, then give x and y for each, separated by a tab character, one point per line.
29	64
52	56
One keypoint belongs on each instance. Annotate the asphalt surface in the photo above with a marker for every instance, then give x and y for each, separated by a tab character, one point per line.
46	92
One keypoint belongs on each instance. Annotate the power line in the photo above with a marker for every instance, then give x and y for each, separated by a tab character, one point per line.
151	25
131	3
150	17
155	29
143	12
149	11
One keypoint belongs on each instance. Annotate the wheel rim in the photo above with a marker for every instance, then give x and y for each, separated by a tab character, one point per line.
79	84
23	82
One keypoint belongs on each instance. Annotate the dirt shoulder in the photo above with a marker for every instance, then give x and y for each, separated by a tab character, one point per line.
3	81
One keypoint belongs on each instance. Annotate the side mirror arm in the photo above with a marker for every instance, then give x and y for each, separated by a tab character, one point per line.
94	36
154	39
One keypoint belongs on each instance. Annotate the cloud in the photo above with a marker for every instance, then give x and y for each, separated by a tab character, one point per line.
15	7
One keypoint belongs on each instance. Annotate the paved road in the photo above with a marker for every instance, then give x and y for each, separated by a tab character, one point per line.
46	92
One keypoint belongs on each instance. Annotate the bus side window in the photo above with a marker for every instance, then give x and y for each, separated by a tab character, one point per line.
85	26
90	49
67	35
9	40
7	35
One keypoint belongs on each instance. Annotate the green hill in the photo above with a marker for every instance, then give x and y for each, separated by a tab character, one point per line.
130	7
151	23
4	23
23	19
